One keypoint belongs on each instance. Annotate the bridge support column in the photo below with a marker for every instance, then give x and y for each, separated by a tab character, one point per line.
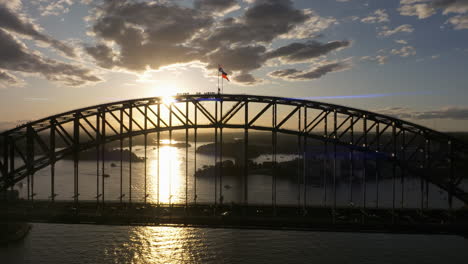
103	154
221	197
195	134
246	156
186	153
121	195
98	155
274	141
130	147
394	159
364	168
170	161
299	165
76	144
377	166
325	171
351	174
403	172
304	163
158	146
216	150
146	155
335	133
52	160
30	161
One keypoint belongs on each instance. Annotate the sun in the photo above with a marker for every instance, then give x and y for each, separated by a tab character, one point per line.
168	100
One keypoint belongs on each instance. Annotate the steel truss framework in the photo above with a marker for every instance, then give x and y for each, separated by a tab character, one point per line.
412	149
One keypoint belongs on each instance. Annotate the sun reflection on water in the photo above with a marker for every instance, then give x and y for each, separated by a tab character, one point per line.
170	184
164	245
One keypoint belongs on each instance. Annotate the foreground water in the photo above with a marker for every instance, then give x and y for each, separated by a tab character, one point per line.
56	243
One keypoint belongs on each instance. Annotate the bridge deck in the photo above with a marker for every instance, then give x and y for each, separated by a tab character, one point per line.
433	221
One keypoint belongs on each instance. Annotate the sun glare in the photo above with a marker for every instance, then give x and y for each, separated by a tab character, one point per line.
167	100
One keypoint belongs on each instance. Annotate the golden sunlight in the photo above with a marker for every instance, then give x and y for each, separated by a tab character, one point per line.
168	100
169	176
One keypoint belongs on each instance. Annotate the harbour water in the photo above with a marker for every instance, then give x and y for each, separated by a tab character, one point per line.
172	184
57	243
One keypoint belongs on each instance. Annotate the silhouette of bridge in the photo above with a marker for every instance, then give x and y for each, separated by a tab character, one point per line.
376	147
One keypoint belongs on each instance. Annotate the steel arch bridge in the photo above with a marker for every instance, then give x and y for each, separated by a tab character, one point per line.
411	149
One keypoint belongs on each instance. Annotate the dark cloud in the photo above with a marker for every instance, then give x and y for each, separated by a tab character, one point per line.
14	56
240	59
297	52
284	73
314	73
11	21
152	35
247	79
148	35
103	55
263	22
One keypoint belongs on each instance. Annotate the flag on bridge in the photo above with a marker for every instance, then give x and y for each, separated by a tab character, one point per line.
223	73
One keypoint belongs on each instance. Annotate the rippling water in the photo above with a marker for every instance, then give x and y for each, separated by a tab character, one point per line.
53	243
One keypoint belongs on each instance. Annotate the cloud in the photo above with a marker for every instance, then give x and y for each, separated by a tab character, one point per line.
459	22
452	6
426	8
380	59
14	56
139	36
299	52
311	27
11	4
420	10
404	51
379	16
320	70
263	22
401	41
217	7
103	55
247	79
448	112
243	59
403	28
14	22
8	80
55	8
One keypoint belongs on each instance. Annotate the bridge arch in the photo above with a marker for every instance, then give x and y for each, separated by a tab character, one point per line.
434	156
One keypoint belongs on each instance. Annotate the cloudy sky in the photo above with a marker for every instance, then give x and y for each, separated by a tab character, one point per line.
407	58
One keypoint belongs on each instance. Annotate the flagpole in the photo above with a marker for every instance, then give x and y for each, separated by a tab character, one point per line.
218	80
